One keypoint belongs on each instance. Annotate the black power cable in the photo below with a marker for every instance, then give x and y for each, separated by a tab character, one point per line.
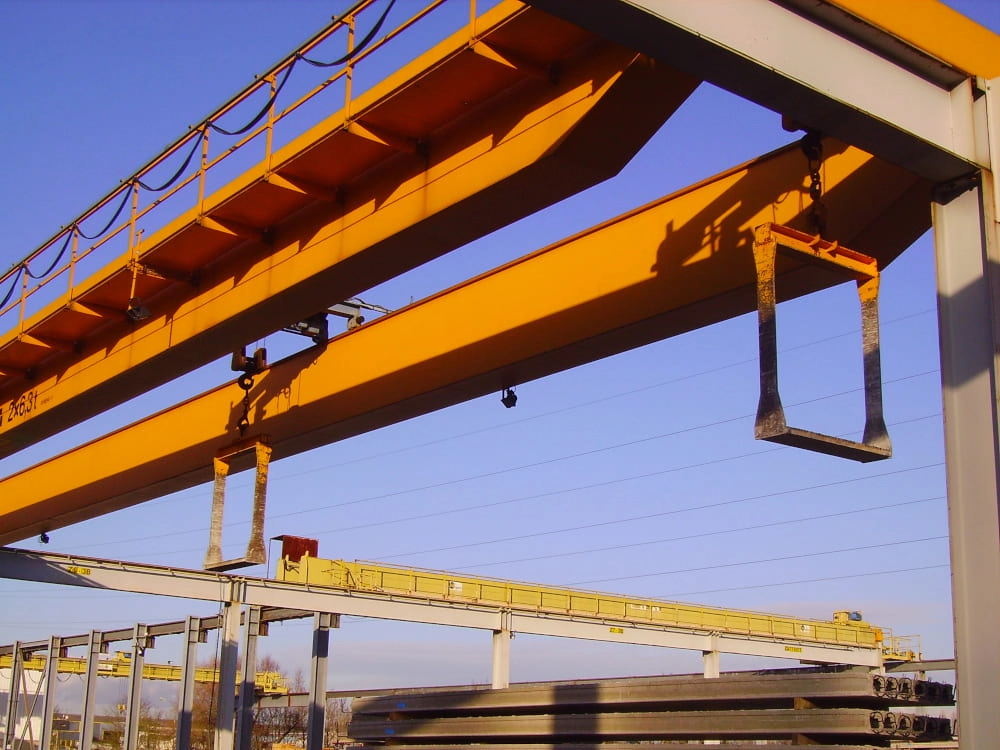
357	49
54	263
196	142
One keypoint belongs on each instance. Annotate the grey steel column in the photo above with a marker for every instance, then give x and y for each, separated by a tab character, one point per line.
90	690
248	678
133	703
501	658
13	686
322	622
225	719
51	681
185	700
968	266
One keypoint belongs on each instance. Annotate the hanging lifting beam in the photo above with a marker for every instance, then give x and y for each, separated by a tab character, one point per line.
499	143
770	423
679	263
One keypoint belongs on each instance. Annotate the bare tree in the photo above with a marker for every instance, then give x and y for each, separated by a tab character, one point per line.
275	725
338	718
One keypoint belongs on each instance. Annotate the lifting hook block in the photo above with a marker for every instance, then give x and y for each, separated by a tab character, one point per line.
770	423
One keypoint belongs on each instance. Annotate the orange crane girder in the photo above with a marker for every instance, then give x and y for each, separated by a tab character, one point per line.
448	148
679	263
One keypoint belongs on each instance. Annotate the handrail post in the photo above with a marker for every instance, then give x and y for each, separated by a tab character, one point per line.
269	139
203	169
74	248
349	67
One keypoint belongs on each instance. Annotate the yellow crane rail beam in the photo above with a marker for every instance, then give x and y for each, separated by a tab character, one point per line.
679	263
266	683
532	597
466	138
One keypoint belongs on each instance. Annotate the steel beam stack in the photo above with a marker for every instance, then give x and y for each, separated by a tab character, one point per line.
846	709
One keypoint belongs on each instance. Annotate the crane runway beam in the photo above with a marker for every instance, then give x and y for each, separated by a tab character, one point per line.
88	572
679	263
526	599
261	253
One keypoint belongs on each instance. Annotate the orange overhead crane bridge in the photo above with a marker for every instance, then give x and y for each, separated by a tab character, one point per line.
513	111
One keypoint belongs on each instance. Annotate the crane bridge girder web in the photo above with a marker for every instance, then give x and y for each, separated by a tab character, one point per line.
524	105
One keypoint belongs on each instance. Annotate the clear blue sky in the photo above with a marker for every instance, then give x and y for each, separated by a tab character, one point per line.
638	474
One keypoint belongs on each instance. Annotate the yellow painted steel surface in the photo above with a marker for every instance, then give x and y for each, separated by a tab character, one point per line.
676	264
531	597
265	683
936	29
473	134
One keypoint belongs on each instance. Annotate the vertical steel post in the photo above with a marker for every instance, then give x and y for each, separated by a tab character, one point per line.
968	266
248	678
90	690
316	727
51	678
501	658
213	556
711	663
225	719
133	703
10	727
185	696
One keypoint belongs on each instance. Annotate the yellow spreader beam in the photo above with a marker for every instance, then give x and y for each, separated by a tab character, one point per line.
679	263
459	142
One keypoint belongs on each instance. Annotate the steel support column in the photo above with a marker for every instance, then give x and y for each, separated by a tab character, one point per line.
711	661
322	622
51	679
501	657
968	274
90	690
230	640
185	695
248	678
133	704
12	691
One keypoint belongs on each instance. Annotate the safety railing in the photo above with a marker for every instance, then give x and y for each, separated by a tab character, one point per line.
154	185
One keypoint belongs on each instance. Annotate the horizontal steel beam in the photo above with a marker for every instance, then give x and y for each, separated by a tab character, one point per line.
90	572
679	263
815	723
747	690
156	630
850	82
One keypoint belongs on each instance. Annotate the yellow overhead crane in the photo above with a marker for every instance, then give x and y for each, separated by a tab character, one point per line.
506	116
845	629
266	683
676	264
400	174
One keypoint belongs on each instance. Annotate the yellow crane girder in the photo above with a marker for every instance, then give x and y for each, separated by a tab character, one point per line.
373	577
679	263
265	683
457	143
